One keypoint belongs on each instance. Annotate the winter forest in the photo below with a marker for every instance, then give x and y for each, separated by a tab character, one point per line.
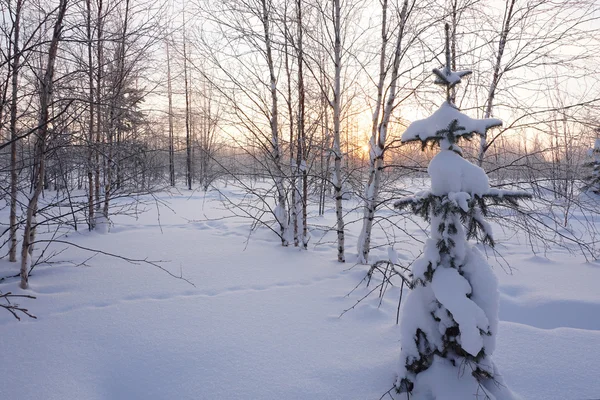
304	199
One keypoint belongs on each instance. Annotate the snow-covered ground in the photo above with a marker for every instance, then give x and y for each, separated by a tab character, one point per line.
263	322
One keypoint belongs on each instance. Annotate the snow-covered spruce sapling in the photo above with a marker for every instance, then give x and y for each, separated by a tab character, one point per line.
592	181
449	326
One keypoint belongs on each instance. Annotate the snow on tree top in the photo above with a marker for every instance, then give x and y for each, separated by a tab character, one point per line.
448	77
450	173
430	127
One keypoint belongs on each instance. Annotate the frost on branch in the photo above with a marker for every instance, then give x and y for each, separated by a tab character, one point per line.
450	322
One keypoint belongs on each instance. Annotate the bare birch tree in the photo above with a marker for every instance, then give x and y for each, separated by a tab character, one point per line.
90	137
337	151
281	213
16	66
496	74
99	100
117	89
301	150
171	128
380	123
46	90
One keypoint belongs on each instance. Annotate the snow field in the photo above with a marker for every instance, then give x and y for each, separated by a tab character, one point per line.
263	321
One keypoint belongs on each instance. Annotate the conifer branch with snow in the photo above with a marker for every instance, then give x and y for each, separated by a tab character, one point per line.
592	181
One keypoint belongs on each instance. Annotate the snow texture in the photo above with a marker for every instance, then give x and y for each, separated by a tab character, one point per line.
281	216
428	128
451	290
263	321
430	256
484	293
460	199
450	172
393	256
102	224
442	382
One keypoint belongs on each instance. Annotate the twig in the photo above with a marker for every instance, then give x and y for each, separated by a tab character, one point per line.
154	263
14	308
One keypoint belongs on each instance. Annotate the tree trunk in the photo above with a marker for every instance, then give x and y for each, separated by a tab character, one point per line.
171	131
46	88
364	239
188	144
16	66
483	145
114	111
302	150
378	138
338	182
288	71
281	213
90	154
99	77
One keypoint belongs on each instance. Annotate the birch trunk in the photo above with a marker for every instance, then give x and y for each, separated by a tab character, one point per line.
188	144
16	66
378	137
301	156
339	213
294	214
99	77
90	154
280	212
483	145
171	131
117	89
364	239
46	88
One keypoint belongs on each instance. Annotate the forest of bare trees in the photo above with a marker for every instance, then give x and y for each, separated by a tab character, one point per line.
300	104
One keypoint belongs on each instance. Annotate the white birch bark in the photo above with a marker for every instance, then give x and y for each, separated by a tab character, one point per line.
302	150
171	130
90	150
379	133
281	213
188	143
339	212
293	209
16	66
46	88
483	146
99	78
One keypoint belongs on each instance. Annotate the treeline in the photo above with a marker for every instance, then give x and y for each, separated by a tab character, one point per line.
297	102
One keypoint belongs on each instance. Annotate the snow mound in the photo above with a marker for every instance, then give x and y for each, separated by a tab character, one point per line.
429	127
442	382
450	173
484	293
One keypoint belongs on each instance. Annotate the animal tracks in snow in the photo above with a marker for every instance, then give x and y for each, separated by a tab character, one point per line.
199	293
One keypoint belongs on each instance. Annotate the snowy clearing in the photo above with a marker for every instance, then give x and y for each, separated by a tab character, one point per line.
263	322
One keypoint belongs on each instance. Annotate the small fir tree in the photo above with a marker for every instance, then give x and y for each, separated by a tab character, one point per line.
448	331
592	181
